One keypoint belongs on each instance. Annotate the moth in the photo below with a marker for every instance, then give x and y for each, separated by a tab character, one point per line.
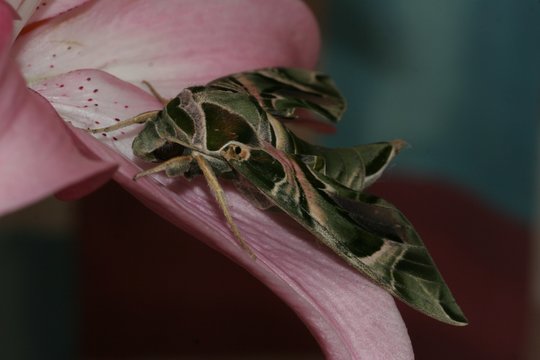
234	128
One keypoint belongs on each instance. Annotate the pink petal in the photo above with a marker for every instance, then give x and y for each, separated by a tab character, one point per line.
350	317
171	43
46	9
37	154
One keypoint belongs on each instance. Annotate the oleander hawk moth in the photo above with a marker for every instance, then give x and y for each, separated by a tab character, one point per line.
233	128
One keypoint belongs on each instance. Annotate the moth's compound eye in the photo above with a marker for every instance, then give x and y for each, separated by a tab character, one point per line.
168	151
235	152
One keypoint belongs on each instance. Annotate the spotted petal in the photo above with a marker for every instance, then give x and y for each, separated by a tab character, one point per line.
37	153
46	9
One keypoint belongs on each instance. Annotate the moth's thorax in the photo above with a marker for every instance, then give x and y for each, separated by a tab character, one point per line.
230	116
204	120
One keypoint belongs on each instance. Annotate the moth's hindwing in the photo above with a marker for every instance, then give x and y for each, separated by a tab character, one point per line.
355	168
368	233
280	91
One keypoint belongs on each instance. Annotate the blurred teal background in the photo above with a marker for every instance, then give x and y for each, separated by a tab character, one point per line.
457	79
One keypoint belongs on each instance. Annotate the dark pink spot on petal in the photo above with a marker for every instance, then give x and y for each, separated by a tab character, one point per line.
88	79
115	138
61	85
97	122
117	119
85	106
81	87
90	99
95	104
104	134
95	91
69	47
51	66
125	106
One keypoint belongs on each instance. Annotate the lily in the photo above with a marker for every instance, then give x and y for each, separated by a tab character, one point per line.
68	65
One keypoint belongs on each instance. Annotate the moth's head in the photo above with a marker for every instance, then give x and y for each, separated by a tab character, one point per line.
149	145
235	151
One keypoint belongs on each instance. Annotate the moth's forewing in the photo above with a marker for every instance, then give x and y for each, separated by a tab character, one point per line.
280	91
416	279
396	260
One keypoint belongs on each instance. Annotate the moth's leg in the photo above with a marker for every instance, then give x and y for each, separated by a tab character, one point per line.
155	93
221	200
172	167
139	119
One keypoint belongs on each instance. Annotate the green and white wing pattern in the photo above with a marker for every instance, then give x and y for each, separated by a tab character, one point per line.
280	91
231	128
368	233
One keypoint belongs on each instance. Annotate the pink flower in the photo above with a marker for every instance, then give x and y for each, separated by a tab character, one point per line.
87	59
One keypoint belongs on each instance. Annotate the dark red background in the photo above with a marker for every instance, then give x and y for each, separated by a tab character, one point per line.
150	290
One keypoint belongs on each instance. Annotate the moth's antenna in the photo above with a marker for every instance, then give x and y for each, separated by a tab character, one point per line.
213	183
139	119
154	92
